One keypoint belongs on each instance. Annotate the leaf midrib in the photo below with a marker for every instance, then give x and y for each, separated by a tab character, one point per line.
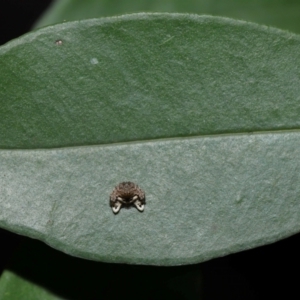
159	140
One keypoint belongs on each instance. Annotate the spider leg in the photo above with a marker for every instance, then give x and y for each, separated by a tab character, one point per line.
138	204
116	207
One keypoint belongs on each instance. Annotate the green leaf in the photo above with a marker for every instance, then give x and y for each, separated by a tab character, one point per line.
280	13
14	287
201	112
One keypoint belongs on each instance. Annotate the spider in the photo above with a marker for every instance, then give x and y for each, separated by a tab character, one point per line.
126	194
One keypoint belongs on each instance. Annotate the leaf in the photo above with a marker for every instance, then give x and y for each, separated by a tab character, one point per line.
282	14
13	287
201	112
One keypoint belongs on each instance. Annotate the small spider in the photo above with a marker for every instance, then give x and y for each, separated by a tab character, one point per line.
127	194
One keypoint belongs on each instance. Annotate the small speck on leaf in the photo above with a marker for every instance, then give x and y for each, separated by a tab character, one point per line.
94	61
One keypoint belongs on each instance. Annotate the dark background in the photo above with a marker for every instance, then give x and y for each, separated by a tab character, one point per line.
18	16
262	273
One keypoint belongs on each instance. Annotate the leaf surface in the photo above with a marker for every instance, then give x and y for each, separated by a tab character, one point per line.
201	112
14	287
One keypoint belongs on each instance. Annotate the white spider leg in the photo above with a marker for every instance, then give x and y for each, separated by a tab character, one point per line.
139	205
116	208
